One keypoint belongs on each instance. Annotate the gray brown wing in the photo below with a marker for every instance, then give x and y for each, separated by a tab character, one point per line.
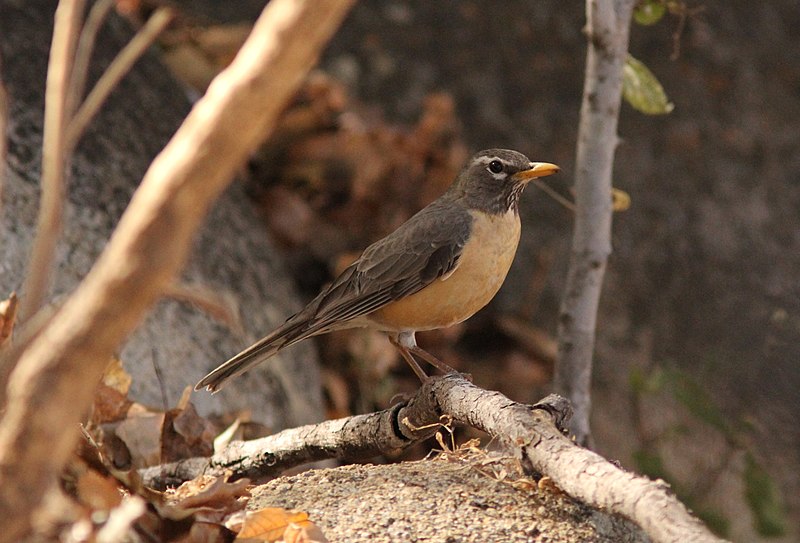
426	247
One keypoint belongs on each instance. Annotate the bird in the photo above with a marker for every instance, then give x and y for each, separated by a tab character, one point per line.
435	270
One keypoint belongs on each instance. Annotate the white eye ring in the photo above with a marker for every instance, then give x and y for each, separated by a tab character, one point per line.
495	166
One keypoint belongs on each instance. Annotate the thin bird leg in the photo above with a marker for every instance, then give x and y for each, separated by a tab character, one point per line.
432	360
410	359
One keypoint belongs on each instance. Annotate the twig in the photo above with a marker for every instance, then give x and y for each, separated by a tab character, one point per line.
608	23
83	53
53	383
3	131
51	209
547	189
120	66
215	304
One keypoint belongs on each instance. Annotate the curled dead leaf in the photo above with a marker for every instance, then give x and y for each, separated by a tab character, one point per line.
8	314
275	524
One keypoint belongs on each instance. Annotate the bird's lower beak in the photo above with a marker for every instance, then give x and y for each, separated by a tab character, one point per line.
537	169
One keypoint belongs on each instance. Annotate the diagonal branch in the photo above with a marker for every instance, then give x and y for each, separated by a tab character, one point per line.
532	432
52	385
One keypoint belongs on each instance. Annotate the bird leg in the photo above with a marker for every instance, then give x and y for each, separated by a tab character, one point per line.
432	360
411	362
407	345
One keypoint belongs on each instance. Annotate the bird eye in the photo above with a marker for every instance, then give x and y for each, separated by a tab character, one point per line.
495	166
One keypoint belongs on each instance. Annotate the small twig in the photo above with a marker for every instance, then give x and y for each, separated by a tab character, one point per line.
51	209
83	53
683	12
547	189
3	142
160	379
120	66
217	305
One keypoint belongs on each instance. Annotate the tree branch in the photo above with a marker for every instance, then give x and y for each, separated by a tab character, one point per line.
52	385
607	27
533	432
54	157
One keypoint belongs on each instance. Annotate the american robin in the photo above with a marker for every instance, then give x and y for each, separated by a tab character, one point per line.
437	269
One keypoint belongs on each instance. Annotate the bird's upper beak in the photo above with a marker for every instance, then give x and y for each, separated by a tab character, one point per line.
536	169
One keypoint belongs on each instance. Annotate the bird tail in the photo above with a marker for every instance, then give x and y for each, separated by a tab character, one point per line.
288	334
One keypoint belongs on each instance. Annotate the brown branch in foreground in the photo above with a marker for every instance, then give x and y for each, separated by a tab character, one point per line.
607	25
52	385
532	431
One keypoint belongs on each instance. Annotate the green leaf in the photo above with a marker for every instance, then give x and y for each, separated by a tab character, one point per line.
641	89
650	381
649	12
763	497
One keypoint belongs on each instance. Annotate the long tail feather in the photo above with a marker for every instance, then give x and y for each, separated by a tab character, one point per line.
290	333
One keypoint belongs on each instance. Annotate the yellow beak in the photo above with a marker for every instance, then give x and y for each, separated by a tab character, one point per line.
537	169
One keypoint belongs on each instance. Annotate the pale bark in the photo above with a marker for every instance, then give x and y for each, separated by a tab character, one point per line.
534	433
51	387
607	27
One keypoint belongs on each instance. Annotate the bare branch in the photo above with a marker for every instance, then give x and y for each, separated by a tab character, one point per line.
115	72
51	209
608	22
83	53
52	385
533	432
3	140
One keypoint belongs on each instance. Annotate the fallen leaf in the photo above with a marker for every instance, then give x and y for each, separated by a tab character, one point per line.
96	491
620	200
273	524
207	491
8	314
307	532
141	433
186	434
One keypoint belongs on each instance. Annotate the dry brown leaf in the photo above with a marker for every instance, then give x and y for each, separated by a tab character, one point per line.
209	492
111	402
97	491
288	216
115	376
8	314
186	434
307	532
273	523
141	433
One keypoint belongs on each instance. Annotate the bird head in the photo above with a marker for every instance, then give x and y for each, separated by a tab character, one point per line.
492	180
